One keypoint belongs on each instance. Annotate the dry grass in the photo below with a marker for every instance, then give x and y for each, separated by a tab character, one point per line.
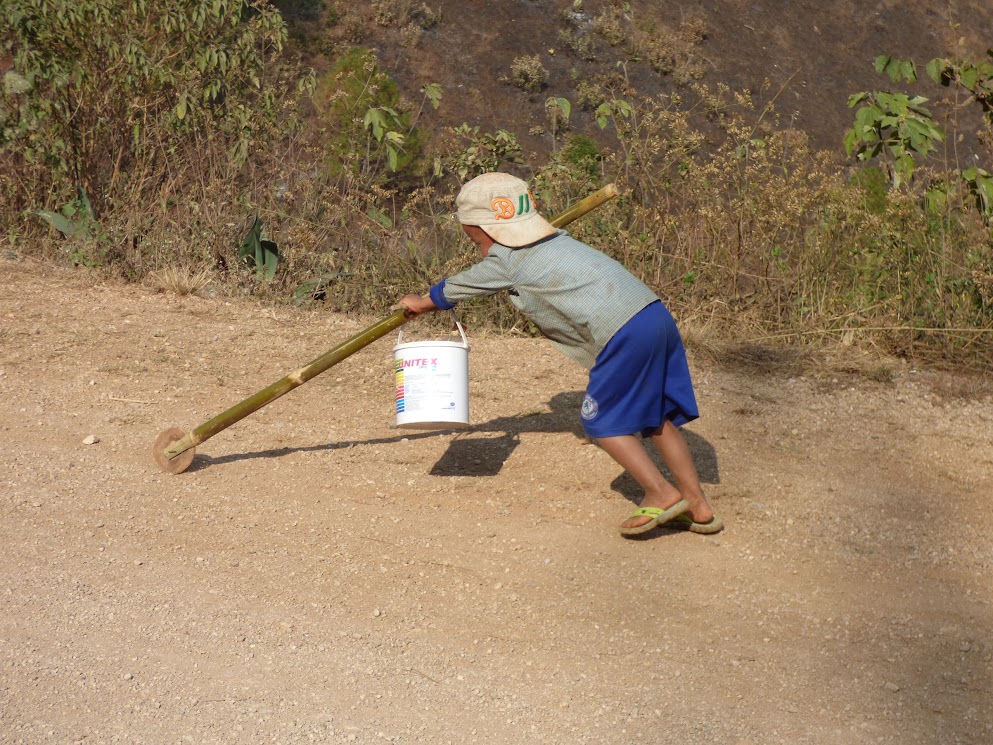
961	385
528	74
676	52
179	280
759	358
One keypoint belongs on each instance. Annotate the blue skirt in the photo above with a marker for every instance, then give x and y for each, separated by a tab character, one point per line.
640	379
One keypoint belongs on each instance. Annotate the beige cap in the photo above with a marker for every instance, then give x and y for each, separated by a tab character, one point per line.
502	205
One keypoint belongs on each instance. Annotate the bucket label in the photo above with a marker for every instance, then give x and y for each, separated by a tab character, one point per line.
402	364
432	384
424	388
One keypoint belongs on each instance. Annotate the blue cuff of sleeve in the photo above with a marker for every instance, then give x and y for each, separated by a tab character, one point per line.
438	296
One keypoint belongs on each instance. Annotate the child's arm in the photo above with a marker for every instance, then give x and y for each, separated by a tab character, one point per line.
485	278
418	304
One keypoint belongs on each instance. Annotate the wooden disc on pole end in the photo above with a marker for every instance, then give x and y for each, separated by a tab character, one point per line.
171	465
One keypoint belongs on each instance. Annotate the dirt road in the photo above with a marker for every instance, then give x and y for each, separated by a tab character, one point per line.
320	576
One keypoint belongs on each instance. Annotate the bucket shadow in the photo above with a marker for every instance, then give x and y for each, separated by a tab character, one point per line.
478	456
471	455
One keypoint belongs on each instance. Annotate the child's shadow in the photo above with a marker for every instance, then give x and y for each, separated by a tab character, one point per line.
472	455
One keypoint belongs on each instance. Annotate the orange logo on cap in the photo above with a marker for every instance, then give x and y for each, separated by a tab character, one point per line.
503	207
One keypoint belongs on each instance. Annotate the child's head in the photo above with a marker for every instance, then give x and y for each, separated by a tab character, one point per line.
502	206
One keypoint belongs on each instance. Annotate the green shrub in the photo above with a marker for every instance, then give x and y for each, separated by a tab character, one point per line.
482	152
358	104
583	153
873	183
121	94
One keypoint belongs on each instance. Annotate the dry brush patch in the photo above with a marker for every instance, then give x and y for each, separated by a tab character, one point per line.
179	280
729	215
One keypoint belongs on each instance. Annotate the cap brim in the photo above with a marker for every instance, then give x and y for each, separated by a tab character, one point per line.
521	232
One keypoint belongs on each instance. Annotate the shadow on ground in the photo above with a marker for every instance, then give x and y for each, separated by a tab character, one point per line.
484	448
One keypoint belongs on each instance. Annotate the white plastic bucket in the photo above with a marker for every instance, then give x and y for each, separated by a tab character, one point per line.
432	383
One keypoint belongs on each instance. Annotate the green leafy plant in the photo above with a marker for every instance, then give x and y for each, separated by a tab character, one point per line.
381	121
258	252
116	86
384	123
485	152
433	93
380	217
896	125
980	186
896	68
612	110
86	242
893	124
74	219
369	130
974	76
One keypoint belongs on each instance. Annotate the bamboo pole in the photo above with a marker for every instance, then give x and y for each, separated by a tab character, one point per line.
580	208
172	443
284	385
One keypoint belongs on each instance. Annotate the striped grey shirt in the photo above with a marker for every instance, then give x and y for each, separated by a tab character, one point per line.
577	296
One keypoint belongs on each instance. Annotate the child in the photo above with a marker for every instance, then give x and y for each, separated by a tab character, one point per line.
604	318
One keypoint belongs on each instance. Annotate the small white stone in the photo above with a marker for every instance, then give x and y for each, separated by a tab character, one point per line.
91	440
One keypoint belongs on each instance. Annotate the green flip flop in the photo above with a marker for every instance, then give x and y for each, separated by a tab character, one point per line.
658	516
685	522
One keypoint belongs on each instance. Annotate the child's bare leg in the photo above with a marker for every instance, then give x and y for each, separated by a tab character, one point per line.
628	451
671	444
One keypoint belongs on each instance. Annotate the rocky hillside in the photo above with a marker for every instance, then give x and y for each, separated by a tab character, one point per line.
806	56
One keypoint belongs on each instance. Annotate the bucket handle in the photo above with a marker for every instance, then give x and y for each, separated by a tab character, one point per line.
458	325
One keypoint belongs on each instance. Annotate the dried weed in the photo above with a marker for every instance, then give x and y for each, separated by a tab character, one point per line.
961	386
179	280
